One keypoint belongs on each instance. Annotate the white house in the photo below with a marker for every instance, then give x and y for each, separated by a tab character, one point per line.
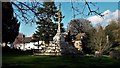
25	43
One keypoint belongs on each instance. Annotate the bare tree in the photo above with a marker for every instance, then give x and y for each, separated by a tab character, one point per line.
28	11
100	41
86	9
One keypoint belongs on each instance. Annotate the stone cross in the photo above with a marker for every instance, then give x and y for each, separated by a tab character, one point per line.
59	36
59	18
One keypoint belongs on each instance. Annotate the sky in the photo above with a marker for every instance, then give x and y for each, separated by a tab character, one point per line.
109	9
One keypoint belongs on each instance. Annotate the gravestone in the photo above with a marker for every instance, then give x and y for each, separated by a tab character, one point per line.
115	54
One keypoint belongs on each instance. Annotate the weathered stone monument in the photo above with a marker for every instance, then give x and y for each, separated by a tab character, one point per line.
58	46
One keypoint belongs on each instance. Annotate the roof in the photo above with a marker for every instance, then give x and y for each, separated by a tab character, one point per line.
27	39
78	36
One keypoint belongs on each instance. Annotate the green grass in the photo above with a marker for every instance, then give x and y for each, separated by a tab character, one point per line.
29	61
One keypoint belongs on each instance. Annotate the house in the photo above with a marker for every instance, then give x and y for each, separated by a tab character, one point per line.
25	43
78	42
75	39
18	40
29	44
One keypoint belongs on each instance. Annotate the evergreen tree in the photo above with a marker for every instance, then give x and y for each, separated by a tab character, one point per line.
113	30
10	25
46	28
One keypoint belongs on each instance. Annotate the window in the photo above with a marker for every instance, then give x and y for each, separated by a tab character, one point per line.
76	44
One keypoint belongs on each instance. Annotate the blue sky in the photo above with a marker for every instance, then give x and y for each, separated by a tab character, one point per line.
104	7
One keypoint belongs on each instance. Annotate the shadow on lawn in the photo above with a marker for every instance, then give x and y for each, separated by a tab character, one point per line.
13	52
25	59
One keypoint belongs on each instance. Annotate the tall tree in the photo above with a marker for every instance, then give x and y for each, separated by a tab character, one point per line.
27	11
87	46
117	36
100	41
10	25
112	30
46	31
79	25
46	28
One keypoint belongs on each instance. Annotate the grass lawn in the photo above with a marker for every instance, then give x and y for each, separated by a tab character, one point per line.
29	61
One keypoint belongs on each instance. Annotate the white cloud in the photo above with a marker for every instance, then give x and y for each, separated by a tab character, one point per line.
95	19
108	16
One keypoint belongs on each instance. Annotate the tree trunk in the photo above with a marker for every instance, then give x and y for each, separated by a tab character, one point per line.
24	46
98	54
5	44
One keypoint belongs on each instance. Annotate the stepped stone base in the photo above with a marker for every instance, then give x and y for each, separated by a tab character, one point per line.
57	47
47	54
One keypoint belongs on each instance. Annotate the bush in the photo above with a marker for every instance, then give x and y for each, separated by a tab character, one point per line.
115	54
